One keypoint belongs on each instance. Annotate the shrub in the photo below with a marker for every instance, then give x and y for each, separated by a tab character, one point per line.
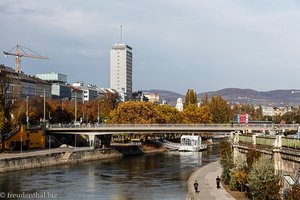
263	182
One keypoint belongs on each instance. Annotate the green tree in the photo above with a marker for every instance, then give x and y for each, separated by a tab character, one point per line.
194	115
252	155
190	98
226	160
263	182
234	112
220	109
205	100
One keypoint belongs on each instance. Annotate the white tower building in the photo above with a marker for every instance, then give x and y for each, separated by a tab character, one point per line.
121	70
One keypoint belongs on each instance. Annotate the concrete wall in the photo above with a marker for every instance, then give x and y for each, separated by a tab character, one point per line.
286	159
27	162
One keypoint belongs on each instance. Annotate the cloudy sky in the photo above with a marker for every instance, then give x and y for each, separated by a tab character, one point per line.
199	44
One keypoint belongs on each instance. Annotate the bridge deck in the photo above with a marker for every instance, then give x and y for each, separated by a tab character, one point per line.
161	128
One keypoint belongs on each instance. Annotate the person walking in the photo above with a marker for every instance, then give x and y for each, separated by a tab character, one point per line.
218	180
196	186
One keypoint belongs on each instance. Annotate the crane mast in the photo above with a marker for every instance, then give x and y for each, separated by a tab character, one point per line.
21	53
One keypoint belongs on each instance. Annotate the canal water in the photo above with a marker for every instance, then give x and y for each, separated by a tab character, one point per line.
152	176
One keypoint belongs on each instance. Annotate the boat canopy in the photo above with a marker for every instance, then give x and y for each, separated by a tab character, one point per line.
190	140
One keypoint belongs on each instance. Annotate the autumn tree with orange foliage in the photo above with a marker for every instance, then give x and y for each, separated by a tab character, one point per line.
136	113
194	115
170	114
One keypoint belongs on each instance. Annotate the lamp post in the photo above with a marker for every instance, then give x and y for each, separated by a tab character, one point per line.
98	112
44	105
27	112
75	108
21	137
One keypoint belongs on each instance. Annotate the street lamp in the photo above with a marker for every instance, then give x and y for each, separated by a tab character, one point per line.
27	112
44	105
75	107
98	112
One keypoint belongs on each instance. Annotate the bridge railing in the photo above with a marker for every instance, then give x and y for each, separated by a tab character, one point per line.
267	141
227	126
291	142
245	138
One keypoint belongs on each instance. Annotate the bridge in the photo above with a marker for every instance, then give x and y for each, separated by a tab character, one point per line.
111	129
90	131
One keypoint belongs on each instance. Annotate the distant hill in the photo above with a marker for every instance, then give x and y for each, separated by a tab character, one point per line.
273	97
170	96
237	95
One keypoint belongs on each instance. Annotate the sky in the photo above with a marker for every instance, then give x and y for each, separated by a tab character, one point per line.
198	44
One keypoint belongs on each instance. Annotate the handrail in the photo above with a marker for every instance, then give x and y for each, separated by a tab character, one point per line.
233	126
291	142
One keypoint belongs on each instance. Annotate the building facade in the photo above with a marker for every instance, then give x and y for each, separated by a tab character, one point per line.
59	88
89	92
121	70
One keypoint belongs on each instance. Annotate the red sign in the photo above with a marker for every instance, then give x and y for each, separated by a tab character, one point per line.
243	118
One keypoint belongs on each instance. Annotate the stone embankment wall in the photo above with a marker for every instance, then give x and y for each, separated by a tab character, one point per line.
27	162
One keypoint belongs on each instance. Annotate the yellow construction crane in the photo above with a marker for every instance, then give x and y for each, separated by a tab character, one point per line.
19	52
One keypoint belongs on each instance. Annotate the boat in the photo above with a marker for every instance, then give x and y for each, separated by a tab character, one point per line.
191	143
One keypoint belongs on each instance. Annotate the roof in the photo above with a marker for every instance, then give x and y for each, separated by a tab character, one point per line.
191	137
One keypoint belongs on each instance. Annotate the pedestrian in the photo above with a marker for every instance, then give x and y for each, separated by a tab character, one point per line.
196	186
218	180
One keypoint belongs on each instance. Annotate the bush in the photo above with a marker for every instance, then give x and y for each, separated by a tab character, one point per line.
226	160
239	174
294	193
263	182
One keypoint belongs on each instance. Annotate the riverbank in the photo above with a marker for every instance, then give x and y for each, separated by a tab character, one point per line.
59	156
206	178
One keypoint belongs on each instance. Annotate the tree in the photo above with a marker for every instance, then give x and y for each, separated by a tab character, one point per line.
107	105
220	109
294	193
226	160
252	155
234	112
263	182
36	110
239	174
194	115
136	113
6	105
19	112
190	98
205	100
170	114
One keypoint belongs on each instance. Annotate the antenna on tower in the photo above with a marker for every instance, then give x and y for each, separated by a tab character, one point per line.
121	33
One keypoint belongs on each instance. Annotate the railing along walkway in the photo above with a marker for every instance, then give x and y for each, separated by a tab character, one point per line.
115	128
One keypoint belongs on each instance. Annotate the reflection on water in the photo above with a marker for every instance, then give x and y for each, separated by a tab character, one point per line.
157	176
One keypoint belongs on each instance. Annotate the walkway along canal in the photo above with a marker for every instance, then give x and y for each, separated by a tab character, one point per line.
150	176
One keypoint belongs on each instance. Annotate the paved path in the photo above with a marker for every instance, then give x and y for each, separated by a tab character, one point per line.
41	152
206	177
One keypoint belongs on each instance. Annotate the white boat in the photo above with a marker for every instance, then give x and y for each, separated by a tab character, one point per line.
191	143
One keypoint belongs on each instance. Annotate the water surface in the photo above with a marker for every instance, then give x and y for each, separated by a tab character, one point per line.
153	176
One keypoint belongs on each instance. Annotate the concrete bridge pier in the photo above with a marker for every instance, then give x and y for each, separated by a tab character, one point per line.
92	141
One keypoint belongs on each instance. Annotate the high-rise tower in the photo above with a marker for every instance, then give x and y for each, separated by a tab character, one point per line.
121	70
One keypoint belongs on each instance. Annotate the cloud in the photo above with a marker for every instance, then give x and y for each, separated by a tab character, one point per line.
207	45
